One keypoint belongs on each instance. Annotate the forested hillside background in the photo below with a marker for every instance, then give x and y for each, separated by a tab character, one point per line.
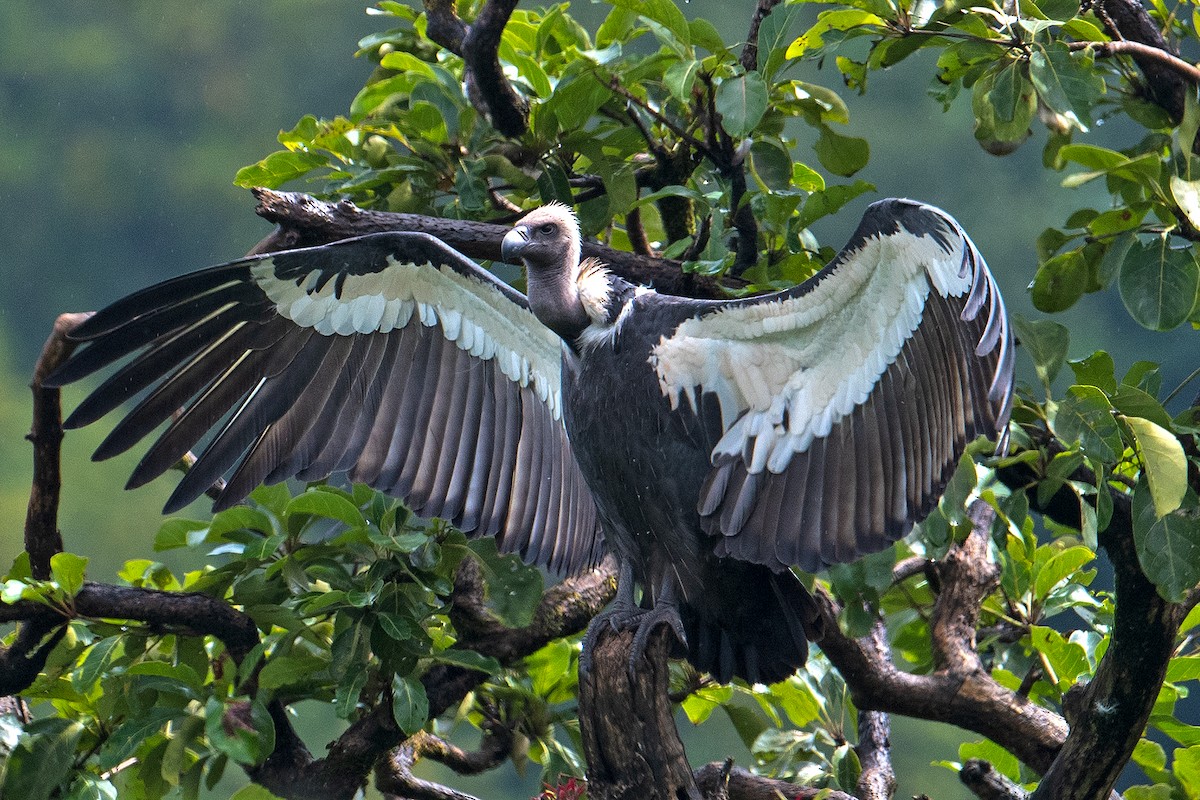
122	125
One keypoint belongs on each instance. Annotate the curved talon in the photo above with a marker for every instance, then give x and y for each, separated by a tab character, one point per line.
662	614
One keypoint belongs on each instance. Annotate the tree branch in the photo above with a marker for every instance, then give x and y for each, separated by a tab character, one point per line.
987	784
723	781
478	44
305	221
960	690
564	610
749	56
1127	21
1146	52
877	781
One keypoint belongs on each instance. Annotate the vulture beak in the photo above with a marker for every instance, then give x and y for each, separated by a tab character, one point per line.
513	244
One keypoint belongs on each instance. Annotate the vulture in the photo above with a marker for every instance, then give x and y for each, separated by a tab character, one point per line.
711	445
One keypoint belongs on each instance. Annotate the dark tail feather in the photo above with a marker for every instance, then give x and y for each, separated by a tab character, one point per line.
754	624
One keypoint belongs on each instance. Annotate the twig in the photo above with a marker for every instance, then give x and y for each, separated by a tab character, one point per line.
723	780
394	777
1142	51
614	83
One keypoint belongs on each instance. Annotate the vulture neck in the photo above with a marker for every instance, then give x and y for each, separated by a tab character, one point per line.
555	299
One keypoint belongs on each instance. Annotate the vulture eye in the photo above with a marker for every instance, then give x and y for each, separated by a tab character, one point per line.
547	229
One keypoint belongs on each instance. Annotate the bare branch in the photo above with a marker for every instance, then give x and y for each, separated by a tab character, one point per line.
723	781
394	777
42	538
749	57
877	781
987	784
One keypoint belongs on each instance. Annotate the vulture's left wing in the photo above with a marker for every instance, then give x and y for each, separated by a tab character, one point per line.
391	357
846	402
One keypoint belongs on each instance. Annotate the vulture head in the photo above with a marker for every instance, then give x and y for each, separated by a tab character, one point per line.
546	241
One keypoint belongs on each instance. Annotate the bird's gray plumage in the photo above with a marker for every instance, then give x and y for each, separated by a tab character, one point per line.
716	442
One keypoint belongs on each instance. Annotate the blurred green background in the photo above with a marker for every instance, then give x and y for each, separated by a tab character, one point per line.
122	125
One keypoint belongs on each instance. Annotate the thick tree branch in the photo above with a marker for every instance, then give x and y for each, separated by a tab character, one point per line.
305	221
42	538
478	45
960	690
877	781
723	781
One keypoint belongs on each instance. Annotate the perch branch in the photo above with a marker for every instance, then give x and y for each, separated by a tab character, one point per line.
305	221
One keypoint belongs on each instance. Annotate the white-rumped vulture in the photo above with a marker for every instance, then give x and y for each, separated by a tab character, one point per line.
710	444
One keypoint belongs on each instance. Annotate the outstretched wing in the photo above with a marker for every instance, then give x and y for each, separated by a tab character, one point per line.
846	402
391	357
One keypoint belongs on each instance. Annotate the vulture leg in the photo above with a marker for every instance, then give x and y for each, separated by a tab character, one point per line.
625	614
664	612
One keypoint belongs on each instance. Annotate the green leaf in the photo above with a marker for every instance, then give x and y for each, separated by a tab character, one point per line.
99	656
410	704
700	704
133	733
841	19
42	761
328	505
254	792
841	155
279	168
67	569
1096	370
1046	342
680	77
513	589
403	61
1060	282
1066	82
664	12
1163	462
244	732
1187	195
91	787
175	533
828	201
846	766
1085	416
291	669
345	699
1058	568
1187	769
1168	547
468	659
741	102
1159	284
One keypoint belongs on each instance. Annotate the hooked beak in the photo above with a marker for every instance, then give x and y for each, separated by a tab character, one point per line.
513	244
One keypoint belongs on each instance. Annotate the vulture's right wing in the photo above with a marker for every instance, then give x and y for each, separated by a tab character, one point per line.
391	357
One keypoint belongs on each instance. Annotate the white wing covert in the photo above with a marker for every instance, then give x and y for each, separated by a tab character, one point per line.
391	357
846	401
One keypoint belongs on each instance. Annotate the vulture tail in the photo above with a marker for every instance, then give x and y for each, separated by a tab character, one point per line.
738	629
